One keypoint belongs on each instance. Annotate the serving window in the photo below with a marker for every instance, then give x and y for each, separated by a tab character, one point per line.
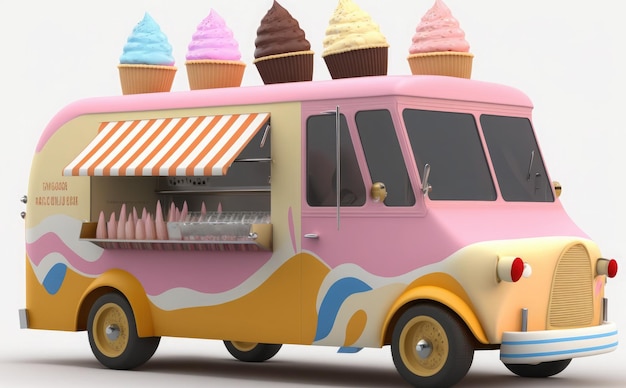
202	182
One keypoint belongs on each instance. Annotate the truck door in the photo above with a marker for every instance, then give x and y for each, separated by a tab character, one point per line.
362	231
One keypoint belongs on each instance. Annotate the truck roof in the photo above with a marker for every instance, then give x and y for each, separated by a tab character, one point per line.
436	87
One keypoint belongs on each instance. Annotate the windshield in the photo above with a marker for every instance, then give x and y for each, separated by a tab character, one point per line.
516	159
450	144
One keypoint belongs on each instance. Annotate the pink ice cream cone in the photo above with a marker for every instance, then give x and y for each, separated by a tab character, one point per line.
171	215
161	231
150	228
129	229
159	224
184	213
140	230
121	224
112	227
158	209
101	227
135	215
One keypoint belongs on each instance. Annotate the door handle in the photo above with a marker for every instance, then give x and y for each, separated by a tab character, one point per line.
314	236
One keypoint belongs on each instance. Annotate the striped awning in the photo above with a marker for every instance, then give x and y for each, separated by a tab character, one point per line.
183	146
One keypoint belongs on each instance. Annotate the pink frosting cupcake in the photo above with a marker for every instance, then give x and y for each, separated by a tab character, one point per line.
439	46
213	59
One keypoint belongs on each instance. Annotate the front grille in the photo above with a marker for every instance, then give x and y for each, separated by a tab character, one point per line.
571	299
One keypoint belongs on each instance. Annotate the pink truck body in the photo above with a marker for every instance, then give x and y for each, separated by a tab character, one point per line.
479	234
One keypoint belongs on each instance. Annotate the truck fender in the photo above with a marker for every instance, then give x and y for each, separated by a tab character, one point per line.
442	296
117	280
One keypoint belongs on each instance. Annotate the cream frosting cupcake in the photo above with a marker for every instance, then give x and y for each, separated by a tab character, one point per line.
354	45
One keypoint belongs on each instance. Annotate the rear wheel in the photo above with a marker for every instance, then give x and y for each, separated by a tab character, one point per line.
113	336
251	351
431	347
543	369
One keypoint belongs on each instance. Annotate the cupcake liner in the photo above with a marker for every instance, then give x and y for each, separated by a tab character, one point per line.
146	78
449	63
358	63
290	67
209	73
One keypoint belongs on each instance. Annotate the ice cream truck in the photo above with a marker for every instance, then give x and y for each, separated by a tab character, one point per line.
409	211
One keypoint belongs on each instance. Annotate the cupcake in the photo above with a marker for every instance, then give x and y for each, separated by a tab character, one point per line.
354	45
147	64
282	52
213	59
439	46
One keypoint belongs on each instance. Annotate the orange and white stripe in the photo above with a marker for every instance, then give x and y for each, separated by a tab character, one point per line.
183	146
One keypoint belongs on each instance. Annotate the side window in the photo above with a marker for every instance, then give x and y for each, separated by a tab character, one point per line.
384	157
321	164
450	144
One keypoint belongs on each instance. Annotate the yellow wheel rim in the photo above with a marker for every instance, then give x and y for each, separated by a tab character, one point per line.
424	346
110	330
244	346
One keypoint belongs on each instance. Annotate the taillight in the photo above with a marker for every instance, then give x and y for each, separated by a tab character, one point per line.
607	267
511	269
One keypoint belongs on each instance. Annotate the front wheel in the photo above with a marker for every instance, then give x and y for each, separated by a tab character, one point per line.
431	347
113	336
251	351
543	369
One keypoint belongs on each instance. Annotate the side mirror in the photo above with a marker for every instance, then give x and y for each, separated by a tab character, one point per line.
378	192
557	188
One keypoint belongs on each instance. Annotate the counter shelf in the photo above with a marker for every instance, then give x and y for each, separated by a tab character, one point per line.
211	232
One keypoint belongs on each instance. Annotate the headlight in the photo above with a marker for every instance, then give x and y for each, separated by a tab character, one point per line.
606	267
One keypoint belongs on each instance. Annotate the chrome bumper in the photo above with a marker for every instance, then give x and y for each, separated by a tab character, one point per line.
23	318
533	347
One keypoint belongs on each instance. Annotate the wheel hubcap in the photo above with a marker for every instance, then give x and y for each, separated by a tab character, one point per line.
244	346
424	346
110	330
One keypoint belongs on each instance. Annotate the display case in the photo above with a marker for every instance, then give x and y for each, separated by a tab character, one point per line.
213	231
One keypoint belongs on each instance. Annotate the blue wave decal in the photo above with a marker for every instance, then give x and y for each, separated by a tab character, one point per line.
349	349
54	279
336	295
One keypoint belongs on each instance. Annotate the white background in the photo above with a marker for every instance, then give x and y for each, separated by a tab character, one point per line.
566	55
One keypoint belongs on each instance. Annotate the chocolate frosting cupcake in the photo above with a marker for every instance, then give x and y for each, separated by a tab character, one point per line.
279	33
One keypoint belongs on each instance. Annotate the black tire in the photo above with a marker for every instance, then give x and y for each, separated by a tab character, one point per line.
113	336
543	369
447	353
251	351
